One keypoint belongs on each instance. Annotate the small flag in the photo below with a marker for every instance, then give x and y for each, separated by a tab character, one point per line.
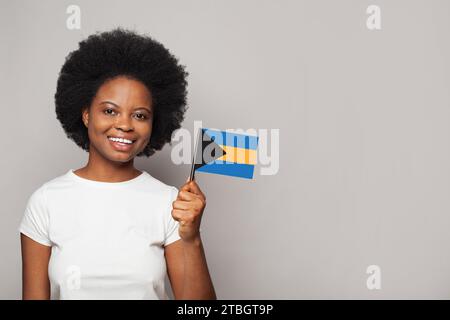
225	153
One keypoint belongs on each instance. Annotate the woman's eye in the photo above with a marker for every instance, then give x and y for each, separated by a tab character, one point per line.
143	116
140	116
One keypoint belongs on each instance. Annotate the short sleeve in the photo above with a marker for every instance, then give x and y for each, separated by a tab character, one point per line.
35	221
171	225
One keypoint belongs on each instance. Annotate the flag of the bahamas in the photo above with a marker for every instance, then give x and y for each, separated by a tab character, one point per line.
226	153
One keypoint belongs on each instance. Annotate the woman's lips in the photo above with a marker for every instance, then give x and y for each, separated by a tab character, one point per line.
118	146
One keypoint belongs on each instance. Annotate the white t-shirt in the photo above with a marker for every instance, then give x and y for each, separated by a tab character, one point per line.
107	238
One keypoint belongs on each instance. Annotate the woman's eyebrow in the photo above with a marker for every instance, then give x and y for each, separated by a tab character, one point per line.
116	105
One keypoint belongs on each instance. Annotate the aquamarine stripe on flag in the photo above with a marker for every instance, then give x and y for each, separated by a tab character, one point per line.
232	139
229	169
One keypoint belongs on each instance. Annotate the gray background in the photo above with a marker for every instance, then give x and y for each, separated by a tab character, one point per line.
364	136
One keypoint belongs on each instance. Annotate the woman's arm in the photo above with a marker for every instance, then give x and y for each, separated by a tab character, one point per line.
188	271
35	258
185	258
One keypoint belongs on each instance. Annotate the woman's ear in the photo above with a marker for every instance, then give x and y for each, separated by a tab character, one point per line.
85	116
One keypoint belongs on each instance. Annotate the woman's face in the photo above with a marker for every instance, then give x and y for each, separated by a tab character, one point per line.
122	108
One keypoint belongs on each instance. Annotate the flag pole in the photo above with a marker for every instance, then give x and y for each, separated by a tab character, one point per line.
192	174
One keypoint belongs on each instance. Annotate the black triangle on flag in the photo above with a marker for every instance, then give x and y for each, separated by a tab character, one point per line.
206	151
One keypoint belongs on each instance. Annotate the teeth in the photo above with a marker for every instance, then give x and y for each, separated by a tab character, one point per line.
120	140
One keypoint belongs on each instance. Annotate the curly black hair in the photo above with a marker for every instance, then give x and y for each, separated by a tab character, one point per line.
120	52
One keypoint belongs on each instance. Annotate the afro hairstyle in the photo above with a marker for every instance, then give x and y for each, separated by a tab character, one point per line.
120	52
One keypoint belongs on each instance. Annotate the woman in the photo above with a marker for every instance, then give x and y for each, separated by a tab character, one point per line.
108	230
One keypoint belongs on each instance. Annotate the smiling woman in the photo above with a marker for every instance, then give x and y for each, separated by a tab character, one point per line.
102	57
121	109
109	230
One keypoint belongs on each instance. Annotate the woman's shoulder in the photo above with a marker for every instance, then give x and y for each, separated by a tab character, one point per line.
44	187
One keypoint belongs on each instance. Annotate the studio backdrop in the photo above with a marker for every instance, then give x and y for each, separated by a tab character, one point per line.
350	102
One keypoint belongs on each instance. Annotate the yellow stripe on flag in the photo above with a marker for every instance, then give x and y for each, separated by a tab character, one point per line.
238	155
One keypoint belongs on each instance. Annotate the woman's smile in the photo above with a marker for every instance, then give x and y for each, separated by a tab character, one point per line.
121	144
